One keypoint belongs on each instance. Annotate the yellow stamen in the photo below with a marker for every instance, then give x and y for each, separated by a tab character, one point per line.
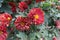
36	16
9	18
22	23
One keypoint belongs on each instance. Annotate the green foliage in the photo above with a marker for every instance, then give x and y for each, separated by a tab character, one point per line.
1	2
22	36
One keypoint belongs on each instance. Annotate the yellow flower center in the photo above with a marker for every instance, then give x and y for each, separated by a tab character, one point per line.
22	23
36	16
9	18
1	32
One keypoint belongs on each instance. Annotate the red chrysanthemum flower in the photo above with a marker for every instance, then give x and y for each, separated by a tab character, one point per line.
13	6
39	0
54	38
22	6
5	18
57	22
37	15
22	23
3	35
28	1
58	7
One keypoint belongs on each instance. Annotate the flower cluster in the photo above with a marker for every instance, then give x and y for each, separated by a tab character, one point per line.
5	19
22	5
35	16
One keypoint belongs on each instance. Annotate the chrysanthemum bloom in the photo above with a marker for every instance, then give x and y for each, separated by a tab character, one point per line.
39	0
5	18
13	6
54	38
22	6
57	22
3	35
22	23
36	15
58	7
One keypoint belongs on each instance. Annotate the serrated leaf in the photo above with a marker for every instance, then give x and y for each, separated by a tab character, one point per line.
44	33
56	32
23	14
41	27
22	36
34	36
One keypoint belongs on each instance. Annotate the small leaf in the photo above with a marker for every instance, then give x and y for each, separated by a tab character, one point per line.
22	36
58	15
34	36
1	2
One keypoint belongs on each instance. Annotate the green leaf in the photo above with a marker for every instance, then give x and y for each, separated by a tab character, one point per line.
44	33
56	32
34	36
46	5
41	27
23	14
47	38
6	8
1	2
54	0
58	15
22	36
